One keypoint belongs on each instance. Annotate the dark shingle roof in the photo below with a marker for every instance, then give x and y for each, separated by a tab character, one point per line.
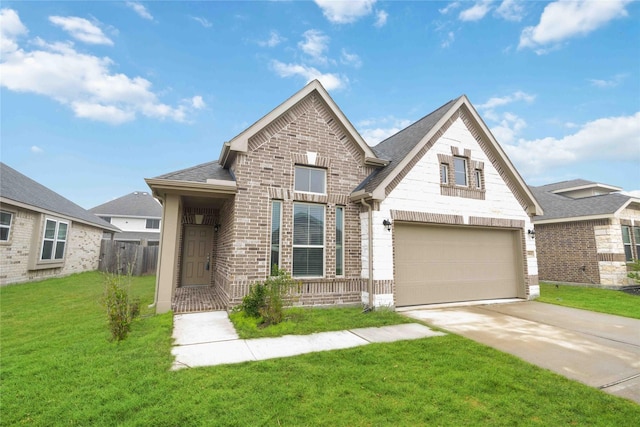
397	147
138	203
20	188
199	173
557	206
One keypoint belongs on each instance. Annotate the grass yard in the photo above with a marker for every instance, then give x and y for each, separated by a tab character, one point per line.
594	299
59	368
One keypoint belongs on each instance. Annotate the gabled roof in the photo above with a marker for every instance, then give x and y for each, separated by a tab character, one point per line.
398	146
23	191
240	143
208	177
199	173
405	145
136	204
559	208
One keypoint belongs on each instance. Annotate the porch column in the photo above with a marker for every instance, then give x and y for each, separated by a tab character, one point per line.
169	250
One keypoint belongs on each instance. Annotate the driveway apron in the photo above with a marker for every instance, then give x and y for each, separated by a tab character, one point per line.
599	350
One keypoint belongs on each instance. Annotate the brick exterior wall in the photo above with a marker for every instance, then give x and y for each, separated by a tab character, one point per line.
565	248
266	173
82	251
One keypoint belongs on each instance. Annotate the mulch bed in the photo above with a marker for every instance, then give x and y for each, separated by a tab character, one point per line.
632	290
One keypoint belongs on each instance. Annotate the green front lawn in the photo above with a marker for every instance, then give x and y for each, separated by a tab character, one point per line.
594	299
59	368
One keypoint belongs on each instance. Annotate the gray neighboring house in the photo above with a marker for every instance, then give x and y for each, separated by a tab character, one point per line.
137	214
588	233
42	234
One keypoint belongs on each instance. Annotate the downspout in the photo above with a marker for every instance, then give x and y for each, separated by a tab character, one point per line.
370	257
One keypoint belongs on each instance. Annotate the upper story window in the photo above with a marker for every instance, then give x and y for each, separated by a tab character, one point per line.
54	240
444	173
460	170
478	175
310	180
153	224
6	218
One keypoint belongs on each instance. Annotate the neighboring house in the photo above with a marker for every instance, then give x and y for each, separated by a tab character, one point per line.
588	233
436	213
138	216
42	234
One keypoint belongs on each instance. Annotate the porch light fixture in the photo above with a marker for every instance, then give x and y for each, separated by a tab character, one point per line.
387	224
216	228
532	233
199	218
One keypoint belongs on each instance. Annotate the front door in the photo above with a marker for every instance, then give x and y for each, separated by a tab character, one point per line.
196	255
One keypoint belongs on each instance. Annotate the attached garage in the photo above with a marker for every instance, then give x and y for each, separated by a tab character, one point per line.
438	263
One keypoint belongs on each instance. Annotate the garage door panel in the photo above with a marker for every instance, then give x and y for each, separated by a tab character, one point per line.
445	264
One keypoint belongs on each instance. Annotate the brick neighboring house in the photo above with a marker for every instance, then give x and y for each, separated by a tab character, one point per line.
588	233
435	213
137	214
42	234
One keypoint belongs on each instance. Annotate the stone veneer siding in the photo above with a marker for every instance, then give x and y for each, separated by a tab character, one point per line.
82	251
266	173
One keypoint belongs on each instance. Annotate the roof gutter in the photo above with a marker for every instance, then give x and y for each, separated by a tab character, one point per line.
211	186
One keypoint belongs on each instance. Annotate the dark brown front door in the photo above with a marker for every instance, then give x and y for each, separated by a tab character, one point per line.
196	255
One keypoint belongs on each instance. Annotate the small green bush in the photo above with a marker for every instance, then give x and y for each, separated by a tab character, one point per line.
266	300
121	310
635	271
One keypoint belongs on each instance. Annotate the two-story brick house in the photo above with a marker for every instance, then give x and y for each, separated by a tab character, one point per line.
436	213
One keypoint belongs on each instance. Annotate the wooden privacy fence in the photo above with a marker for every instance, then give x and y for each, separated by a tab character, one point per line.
123	257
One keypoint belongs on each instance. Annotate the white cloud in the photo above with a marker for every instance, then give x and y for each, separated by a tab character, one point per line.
381	18
328	80
140	10
450	38
508	128
613	82
81	29
507	124
611	138
202	21
83	82
10	29
475	12
350	59
274	40
450	6
197	102
315	44
510	10
345	12
505	100
562	20
376	130
36	150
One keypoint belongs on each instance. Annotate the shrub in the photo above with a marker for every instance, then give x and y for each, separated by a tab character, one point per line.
267	299
121	310
635	271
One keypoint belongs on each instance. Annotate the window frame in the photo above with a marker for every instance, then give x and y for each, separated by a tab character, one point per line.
636	237
456	173
153	221
340	268
308	246
444	173
278	262
308	191
7	227
55	241
627	255
478	176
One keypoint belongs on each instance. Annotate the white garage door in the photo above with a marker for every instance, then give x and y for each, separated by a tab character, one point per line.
436	264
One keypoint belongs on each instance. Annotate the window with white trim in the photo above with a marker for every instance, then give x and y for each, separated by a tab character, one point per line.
153	224
308	240
626	241
478	178
444	173
310	180
6	218
460	171
339	240
276	226
54	240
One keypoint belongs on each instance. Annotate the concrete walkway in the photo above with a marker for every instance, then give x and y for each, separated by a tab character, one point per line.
207	339
599	350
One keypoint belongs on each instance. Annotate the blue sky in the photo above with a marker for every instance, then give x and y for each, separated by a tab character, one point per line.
97	96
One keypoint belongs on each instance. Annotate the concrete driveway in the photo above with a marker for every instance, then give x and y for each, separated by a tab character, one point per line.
599	350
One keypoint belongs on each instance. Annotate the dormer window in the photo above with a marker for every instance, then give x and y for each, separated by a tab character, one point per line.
310	180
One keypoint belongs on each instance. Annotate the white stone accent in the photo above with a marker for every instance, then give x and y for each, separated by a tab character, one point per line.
311	157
